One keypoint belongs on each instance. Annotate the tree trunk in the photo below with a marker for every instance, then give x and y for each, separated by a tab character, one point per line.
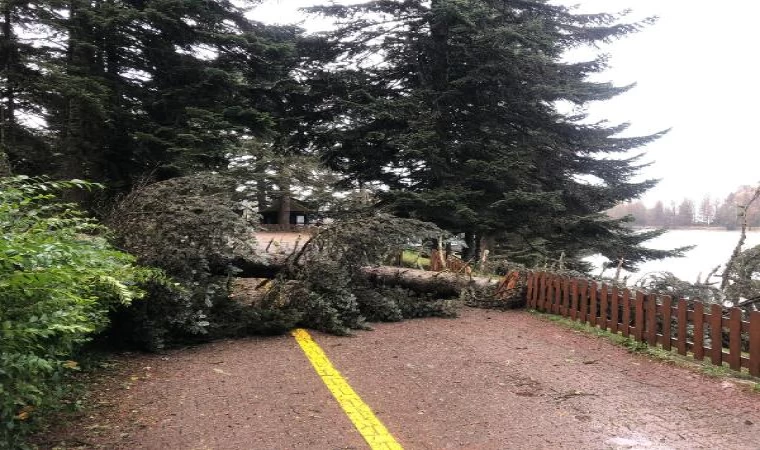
439	82
444	284
742	237
7	111
283	215
439	283
261	193
469	251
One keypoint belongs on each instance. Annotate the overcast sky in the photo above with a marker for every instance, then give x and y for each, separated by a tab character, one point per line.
697	73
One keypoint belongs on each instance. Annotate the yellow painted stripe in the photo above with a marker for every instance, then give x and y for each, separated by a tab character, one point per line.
373	431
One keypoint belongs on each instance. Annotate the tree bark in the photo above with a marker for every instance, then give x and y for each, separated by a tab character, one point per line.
7	111
439	283
443	284
283	215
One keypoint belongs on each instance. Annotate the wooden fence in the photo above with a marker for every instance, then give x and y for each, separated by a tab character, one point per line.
653	319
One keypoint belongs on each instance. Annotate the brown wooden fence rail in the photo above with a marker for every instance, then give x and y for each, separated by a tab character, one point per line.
653	319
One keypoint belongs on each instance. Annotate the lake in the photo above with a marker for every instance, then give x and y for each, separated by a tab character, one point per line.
713	247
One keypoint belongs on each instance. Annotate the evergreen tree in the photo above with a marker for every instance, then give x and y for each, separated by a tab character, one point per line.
122	88
452	104
686	213
658	215
24	86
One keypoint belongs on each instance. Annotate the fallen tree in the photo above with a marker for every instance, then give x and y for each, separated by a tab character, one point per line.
192	228
438	283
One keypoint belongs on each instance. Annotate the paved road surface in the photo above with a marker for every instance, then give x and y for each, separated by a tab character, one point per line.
488	380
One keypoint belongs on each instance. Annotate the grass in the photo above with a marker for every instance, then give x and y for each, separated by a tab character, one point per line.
412	258
657	353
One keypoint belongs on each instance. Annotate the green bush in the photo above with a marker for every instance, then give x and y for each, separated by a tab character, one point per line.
59	278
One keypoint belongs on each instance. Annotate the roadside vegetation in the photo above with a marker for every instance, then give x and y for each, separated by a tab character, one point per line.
59	280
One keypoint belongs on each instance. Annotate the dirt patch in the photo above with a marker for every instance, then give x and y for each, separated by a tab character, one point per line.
283	243
488	380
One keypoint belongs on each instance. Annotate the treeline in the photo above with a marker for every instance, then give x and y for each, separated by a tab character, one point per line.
709	212
110	91
447	116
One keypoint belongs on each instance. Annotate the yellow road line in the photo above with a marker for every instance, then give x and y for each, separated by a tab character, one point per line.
373	431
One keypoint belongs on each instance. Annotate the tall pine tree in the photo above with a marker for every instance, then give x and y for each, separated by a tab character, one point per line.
453	105
24	86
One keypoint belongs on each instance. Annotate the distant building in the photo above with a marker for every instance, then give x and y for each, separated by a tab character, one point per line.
299	215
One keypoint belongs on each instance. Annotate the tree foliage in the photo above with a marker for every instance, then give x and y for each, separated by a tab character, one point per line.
325	284
117	89
454	106
59	279
192	228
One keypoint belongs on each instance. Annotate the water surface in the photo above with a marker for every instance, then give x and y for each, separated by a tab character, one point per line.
713	247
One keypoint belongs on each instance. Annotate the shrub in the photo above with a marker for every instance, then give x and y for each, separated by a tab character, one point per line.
59	278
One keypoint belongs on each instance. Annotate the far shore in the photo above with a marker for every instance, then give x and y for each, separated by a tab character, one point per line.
699	228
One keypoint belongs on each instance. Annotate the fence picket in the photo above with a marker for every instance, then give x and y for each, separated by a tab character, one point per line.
615	310
542	292
699	331
638	314
716	334
549	294
603	307
584	299
626	313
735	339
529	292
667	317
592	304
754	343
682	322
565	310
574	299
651	320
638	323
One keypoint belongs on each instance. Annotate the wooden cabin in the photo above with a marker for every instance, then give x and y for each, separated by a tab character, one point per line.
300	214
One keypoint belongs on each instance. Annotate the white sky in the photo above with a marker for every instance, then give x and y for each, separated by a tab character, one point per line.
697	72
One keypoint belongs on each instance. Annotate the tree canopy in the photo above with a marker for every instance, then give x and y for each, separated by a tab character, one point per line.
457	107
452	111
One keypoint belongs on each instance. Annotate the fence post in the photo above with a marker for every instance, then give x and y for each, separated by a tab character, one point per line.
557	295
716	334
754	343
